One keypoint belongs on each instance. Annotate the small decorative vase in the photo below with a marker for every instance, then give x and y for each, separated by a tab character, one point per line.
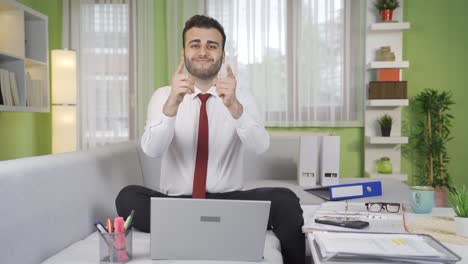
461	226
384	166
385	131
386	15
440	196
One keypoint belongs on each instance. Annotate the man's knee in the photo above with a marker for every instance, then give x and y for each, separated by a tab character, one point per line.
285	194
126	192
124	199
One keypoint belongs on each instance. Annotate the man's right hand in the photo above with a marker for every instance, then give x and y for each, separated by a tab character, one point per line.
181	85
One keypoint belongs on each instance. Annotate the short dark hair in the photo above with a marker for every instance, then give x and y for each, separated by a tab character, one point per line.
201	21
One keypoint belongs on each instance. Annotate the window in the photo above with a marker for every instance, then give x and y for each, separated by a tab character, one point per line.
302	59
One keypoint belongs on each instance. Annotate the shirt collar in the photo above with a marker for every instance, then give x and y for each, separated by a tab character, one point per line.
211	91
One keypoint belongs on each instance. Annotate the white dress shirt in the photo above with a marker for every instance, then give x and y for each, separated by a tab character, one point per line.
175	140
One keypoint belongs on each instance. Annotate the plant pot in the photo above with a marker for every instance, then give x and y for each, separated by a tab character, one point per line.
384	166
385	131
386	15
461	226
440	197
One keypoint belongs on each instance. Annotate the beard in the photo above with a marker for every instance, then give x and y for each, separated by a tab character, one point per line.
203	73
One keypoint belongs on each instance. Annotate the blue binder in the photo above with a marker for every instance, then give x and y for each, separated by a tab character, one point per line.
348	191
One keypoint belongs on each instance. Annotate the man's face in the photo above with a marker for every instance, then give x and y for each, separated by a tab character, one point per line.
203	52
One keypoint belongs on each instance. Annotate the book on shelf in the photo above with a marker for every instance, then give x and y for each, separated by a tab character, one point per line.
386	75
28	84
35	96
35	92
2	94
14	88
6	89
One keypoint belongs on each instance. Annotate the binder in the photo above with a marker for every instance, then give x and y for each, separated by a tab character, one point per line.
348	191
308	169
330	161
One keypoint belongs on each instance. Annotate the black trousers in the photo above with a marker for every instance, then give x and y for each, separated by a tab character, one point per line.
285	219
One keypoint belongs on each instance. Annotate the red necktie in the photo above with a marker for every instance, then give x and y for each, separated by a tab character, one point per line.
201	162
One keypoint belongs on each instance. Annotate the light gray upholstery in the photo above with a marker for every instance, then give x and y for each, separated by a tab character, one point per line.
50	202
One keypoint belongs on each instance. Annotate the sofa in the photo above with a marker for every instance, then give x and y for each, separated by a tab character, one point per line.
50	202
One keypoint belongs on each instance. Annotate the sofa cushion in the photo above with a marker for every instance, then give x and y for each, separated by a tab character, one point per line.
279	162
87	251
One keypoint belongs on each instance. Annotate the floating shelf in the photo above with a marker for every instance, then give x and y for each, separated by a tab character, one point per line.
396	176
16	108
388	64
32	62
387	140
391	26
5	56
387	102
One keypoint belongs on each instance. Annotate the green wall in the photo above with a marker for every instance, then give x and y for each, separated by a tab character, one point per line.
29	134
160	65
436	46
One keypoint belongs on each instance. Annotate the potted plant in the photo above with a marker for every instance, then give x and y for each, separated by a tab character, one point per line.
385	123
386	8
429	140
384	165
459	203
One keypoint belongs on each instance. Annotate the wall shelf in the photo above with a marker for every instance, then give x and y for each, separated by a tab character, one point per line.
378	35
396	176
388	65
387	140
387	102
24	54
389	26
8	108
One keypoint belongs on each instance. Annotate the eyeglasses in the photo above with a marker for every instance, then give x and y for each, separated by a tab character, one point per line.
378	207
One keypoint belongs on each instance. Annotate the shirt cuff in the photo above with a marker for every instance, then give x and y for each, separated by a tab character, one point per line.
243	121
163	120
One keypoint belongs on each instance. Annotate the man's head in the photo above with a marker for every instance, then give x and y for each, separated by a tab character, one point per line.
203	44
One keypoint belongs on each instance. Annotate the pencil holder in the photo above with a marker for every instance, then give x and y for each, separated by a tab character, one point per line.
115	247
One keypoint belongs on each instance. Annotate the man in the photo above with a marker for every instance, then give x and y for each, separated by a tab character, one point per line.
200	126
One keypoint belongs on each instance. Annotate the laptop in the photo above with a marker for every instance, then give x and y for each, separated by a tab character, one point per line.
208	229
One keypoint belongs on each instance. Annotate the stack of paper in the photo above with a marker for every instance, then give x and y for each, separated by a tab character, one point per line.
380	247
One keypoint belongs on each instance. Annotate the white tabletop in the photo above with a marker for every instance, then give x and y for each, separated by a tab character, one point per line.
460	250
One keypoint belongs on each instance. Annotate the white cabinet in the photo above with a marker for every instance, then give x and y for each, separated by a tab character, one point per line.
24	52
379	35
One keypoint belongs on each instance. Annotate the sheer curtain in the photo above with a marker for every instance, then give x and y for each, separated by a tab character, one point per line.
302	59
114	40
142	68
102	39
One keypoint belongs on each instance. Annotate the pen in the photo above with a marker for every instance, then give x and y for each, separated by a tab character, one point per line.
109	226
128	222
102	230
100	227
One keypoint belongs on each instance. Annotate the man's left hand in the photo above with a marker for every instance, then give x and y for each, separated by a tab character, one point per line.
226	88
